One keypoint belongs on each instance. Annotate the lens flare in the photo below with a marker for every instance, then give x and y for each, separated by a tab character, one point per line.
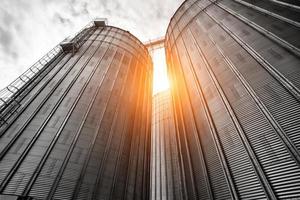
160	77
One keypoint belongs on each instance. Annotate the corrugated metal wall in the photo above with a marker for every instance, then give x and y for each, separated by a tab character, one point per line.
83	130
166	177
234	68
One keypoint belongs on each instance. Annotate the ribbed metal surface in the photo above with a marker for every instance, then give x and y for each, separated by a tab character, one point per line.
234	68
166	177
83	130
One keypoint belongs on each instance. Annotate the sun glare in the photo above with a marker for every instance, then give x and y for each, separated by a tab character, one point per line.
160	77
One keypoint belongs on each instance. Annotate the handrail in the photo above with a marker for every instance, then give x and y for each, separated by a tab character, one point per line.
8	92
79	35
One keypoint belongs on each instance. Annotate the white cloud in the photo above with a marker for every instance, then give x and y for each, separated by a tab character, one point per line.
28	29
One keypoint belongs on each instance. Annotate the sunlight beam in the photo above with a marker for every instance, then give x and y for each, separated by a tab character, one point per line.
160	76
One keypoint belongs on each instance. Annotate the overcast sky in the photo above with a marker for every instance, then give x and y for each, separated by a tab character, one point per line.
30	28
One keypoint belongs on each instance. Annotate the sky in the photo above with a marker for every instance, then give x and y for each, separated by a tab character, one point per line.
29	29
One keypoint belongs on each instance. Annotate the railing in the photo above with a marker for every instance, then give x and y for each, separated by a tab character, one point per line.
78	38
8	92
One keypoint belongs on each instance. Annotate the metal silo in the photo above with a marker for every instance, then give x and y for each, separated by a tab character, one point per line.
166	178
235	74
77	124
